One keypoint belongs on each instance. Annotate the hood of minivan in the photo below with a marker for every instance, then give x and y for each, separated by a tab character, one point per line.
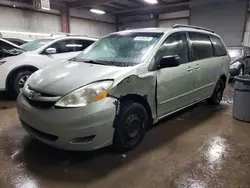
65	77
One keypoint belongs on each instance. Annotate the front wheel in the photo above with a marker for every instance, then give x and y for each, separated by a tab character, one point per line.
19	80
218	93
130	126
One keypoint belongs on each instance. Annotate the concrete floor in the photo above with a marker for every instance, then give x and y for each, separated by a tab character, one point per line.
201	147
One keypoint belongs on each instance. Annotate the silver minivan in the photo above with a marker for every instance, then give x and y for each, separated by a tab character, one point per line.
120	85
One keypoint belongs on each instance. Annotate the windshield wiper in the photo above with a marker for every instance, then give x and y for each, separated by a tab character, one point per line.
94	62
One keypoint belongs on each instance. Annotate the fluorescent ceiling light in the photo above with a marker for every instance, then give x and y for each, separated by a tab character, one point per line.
151	1
97	11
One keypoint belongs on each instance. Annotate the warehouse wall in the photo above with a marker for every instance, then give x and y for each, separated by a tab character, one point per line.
90	28
39	24
228	20
164	20
28	21
134	22
84	22
169	19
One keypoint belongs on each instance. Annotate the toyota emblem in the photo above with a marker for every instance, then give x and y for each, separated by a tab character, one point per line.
32	94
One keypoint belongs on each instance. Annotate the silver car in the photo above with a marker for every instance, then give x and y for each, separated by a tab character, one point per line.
116	88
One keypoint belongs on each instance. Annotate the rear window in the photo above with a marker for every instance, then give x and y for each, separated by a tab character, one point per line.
201	46
219	47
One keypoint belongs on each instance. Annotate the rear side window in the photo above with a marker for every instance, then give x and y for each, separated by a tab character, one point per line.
80	45
201	46
219	47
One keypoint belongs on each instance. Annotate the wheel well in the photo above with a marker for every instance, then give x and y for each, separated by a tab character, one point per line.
139	99
10	78
224	78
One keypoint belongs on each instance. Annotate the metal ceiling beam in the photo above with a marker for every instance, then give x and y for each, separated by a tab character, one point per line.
107	8
128	3
116	6
90	3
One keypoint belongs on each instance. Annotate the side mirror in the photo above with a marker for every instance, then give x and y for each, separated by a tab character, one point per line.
169	61
247	56
50	51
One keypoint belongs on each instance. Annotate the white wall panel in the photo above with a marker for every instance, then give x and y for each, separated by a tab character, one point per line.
28	21
86	14
172	15
170	23
226	19
246	41
90	28
136	25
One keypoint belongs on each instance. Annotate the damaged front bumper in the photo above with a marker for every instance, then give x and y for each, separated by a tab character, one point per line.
85	128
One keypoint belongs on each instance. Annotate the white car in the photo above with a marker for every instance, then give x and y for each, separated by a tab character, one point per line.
15	70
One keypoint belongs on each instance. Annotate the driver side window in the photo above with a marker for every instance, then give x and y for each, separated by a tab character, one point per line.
64	46
175	44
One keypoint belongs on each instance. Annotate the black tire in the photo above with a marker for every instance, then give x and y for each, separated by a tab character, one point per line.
130	126
218	93
17	79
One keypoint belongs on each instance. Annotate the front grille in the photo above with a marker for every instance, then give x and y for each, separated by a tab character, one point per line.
45	136
40	104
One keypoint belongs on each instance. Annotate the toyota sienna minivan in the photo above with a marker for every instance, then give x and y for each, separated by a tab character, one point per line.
120	85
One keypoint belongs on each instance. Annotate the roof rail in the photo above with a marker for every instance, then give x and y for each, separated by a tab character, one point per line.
191	26
79	35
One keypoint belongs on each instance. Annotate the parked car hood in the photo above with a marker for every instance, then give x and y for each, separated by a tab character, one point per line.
65	77
21	59
233	60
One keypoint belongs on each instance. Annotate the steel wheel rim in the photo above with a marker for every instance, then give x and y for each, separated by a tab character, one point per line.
132	129
22	81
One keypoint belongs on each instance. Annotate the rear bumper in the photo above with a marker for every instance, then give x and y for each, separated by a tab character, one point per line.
86	128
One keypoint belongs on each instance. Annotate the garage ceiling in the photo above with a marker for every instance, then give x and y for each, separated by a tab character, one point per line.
125	6
133	7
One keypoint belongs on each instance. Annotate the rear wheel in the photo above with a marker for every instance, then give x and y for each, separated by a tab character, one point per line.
218	93
19	80
130	126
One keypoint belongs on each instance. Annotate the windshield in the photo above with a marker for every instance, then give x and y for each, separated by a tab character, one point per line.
233	53
35	44
120	49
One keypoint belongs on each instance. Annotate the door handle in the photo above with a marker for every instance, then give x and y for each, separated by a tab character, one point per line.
197	66
189	69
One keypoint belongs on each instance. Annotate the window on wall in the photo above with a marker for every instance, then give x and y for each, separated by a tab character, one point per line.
64	46
175	45
219	47
80	45
201	46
